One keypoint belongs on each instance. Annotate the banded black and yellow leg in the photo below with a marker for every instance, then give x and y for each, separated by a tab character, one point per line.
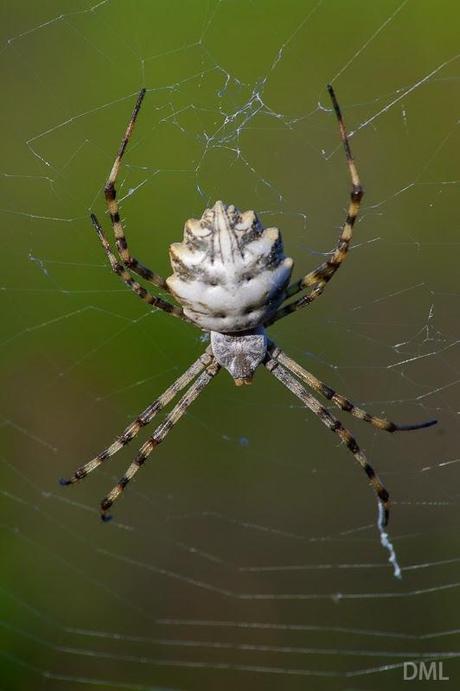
339	400
334	425
160	433
142	419
126	277
317	279
110	196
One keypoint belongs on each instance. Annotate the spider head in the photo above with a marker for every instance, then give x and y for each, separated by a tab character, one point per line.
240	353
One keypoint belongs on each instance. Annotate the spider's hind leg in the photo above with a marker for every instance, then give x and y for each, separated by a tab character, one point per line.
126	277
316	281
110	193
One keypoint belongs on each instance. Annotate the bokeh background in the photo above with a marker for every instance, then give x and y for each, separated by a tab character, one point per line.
246	553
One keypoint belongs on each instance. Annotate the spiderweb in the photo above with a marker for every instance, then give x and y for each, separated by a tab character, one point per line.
247	553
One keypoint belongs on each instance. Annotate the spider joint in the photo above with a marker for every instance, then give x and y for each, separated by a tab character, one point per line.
273	349
357	193
109	191
272	364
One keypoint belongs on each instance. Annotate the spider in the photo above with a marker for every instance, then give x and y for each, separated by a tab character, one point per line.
232	279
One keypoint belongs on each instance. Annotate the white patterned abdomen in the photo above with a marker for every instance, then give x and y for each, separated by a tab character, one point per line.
229	273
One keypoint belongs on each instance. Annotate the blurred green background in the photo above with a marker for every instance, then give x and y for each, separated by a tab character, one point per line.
245	555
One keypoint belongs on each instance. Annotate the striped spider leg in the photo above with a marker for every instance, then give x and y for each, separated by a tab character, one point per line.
128	262
205	362
342	402
317	279
126	277
110	193
283	368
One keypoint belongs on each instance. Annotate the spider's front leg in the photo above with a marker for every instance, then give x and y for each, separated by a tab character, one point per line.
143	418
159	435
341	401
286	378
317	279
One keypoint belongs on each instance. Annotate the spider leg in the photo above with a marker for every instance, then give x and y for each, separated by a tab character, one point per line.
334	425
143	418
114	211
339	400
319	277
136	287
159	434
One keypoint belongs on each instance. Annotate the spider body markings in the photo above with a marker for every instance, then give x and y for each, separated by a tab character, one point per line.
230	273
231	278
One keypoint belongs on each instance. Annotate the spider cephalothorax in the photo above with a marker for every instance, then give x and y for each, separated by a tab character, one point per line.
230	276
240	353
230	273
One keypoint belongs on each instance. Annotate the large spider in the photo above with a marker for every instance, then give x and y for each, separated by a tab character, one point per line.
231	278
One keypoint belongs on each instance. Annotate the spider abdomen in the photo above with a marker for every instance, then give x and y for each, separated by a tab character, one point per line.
229	273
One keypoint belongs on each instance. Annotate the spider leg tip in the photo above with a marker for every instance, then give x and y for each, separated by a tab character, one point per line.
63	481
331	92
384	516
106	517
418	425
140	98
